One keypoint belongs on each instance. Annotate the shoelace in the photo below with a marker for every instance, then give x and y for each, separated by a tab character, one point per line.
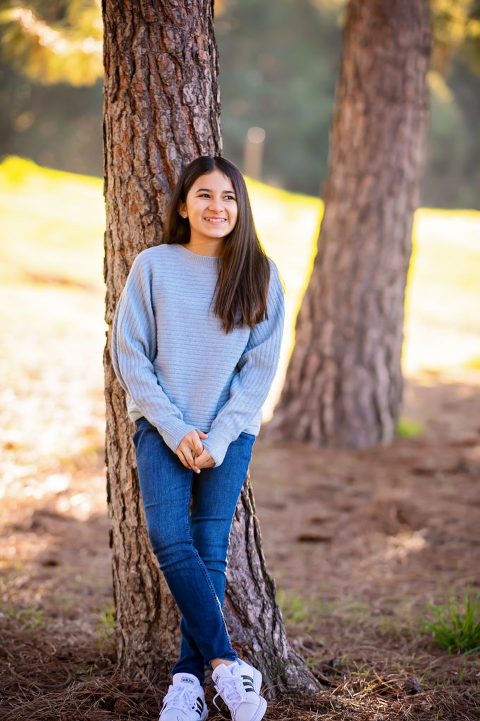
179	697
231	690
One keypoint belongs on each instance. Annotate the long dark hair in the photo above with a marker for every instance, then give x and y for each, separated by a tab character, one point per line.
244	270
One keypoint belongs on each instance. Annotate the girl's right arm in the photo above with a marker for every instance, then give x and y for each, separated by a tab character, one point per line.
134	340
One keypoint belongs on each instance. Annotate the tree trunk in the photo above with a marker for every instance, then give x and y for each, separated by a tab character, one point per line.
161	109
254	619
344	381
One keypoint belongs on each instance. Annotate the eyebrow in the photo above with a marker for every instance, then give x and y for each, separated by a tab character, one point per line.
209	190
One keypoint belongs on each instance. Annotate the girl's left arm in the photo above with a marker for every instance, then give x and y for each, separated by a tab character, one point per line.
251	384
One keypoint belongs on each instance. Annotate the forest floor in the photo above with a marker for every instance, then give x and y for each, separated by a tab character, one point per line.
359	542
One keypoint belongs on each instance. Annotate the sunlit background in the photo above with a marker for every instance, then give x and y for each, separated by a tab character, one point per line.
279	62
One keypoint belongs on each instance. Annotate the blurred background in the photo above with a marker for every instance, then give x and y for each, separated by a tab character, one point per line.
278	66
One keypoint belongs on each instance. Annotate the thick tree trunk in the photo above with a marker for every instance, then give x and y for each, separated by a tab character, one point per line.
344	381
161	109
254	620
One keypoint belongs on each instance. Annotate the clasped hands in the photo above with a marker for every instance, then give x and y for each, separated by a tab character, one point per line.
191	452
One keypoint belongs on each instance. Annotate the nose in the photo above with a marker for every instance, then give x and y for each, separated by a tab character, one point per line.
216	203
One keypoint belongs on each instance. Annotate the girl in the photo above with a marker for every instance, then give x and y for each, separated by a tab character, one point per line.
195	345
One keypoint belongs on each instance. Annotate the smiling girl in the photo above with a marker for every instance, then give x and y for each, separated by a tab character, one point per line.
195	345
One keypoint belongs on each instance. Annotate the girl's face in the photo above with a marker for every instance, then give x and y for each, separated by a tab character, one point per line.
211	207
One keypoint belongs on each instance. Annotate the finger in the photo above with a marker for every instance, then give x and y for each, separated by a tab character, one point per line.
199	462
189	457
202	434
205	460
182	458
195	445
186	453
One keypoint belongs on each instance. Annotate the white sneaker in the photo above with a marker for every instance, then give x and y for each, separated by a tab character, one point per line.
238	684
185	700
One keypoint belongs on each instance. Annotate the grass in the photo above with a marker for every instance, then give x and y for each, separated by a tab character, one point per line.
30	617
106	620
457	624
295	609
52	225
409	429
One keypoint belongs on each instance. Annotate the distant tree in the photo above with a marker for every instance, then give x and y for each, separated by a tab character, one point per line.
344	382
162	110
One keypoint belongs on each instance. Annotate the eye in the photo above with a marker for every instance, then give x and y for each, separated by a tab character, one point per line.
230	197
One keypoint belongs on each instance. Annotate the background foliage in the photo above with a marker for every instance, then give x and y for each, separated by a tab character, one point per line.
279	61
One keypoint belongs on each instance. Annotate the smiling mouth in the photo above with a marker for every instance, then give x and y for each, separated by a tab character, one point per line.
216	220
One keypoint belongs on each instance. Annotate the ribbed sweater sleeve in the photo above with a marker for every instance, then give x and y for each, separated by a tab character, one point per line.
256	370
133	350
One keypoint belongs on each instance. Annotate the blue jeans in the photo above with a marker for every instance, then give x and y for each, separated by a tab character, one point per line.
189	517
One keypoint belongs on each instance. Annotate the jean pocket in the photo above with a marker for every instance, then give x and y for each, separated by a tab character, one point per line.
141	424
249	436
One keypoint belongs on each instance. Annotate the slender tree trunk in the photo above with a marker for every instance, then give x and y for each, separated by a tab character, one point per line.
344	381
161	109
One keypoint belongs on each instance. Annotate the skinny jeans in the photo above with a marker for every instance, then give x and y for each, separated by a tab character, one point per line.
189	517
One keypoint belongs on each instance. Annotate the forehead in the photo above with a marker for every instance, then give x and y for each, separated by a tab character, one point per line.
216	180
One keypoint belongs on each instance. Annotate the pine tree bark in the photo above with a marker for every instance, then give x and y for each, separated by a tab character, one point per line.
161	109
344	382
254	620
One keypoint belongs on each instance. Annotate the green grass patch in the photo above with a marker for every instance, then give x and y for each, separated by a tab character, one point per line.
51	225
456	626
409	429
30	617
295	609
106	620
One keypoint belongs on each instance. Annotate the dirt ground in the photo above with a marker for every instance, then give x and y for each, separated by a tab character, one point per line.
359	542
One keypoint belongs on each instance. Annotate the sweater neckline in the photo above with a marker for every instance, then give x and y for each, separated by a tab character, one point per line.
206	259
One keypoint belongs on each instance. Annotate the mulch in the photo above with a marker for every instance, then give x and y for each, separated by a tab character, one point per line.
43	679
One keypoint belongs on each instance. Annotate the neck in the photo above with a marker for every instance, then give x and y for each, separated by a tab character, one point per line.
205	246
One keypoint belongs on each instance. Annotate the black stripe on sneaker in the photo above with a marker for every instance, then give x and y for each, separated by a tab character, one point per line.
248	683
199	705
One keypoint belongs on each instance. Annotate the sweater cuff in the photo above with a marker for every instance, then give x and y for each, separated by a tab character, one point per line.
174	432
217	446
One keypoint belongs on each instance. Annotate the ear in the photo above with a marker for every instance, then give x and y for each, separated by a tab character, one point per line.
182	209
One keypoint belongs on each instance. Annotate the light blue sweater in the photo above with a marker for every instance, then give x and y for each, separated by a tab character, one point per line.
179	368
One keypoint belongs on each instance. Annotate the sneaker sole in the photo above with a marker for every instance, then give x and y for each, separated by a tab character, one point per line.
262	707
202	718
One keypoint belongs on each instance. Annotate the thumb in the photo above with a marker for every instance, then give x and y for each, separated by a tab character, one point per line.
202	434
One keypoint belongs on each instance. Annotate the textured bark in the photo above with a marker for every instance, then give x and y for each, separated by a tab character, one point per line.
161	109
344	381
254	620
